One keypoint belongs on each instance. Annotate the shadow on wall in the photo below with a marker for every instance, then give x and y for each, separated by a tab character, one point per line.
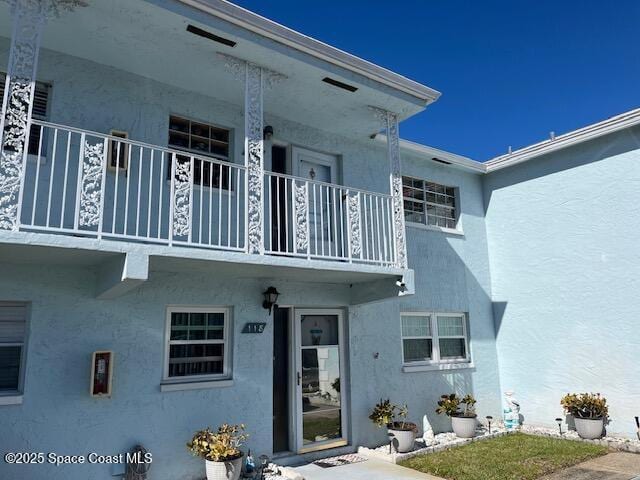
451	276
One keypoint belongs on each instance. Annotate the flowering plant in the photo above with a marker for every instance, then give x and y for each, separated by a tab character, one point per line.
221	446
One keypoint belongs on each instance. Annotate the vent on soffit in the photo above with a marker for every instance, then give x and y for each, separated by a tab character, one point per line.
339	84
211	36
436	159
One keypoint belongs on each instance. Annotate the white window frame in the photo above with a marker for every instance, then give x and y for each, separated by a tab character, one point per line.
435	339
425	224
226	341
10	397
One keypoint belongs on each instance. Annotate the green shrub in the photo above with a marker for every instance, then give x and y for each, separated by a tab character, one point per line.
585	405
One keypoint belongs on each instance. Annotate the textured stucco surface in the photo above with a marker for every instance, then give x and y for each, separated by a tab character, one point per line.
68	323
564	267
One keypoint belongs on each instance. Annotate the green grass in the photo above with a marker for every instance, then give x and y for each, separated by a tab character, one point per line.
510	457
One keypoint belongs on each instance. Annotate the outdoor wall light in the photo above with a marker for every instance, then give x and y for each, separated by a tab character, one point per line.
270	298
489	418
559	421
267	132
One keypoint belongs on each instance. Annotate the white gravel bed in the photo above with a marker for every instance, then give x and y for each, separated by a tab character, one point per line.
442	441
616	443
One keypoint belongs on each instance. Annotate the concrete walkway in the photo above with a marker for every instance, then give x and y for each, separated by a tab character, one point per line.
369	470
615	466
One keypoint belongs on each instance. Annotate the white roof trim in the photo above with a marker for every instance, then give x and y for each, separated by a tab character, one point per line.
610	125
453	159
270	29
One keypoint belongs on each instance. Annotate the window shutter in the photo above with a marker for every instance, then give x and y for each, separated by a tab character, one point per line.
40	97
12	323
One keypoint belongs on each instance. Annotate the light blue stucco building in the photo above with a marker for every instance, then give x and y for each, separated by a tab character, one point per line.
165	162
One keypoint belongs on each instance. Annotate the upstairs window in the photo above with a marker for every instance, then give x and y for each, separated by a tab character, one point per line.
430	338
203	140
13	328
39	110
429	203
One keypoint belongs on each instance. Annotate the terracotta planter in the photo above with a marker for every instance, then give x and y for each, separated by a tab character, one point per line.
589	428
464	427
224	470
402	439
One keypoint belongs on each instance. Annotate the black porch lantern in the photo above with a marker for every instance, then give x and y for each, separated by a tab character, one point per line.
270	298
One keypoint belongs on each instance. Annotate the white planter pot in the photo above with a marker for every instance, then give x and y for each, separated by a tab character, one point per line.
402	440
224	470
589	428
464	427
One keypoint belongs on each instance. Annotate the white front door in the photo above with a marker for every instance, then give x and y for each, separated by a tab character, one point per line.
321	417
324	200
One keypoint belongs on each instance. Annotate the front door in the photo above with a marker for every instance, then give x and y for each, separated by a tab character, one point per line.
323	198
321	417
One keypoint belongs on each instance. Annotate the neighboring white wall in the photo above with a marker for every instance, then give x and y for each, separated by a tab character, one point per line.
565	258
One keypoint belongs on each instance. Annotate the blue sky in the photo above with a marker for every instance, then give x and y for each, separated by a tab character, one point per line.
509	71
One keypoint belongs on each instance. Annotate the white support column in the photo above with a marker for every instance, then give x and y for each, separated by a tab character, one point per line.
256	80
393	144
29	18
254	158
389	121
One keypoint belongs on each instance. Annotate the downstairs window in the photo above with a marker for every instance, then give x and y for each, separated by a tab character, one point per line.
431	338
198	343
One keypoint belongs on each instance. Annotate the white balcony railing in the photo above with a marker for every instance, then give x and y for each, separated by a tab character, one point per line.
83	183
313	219
140	193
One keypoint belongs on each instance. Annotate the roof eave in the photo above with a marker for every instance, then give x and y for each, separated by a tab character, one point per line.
610	125
263	26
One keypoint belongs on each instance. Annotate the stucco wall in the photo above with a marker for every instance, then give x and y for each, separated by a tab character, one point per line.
452	274
68	323
564	262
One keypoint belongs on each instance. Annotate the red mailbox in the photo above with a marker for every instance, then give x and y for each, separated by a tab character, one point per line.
101	373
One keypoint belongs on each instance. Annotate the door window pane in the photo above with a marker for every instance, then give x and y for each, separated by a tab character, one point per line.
321	402
319	330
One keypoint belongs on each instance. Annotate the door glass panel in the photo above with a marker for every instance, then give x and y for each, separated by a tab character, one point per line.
320	382
319	330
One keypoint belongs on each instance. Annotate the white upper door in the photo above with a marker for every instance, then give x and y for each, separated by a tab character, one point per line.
312	165
324	200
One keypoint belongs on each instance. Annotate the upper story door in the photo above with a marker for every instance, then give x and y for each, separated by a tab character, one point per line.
324	199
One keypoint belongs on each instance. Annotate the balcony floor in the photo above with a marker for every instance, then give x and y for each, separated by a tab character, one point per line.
53	249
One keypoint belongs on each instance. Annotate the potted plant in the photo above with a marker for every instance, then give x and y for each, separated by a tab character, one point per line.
463	421
401	432
220	450
589	412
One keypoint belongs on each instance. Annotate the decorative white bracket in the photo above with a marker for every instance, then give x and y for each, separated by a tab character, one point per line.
389	121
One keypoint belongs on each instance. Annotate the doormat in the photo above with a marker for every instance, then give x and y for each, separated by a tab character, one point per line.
341	460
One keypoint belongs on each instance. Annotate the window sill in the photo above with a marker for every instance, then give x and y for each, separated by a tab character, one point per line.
449	231
437	367
175	387
13	399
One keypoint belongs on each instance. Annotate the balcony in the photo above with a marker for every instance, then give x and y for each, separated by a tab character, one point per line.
81	183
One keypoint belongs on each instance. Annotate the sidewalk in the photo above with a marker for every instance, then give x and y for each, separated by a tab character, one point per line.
614	466
368	470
